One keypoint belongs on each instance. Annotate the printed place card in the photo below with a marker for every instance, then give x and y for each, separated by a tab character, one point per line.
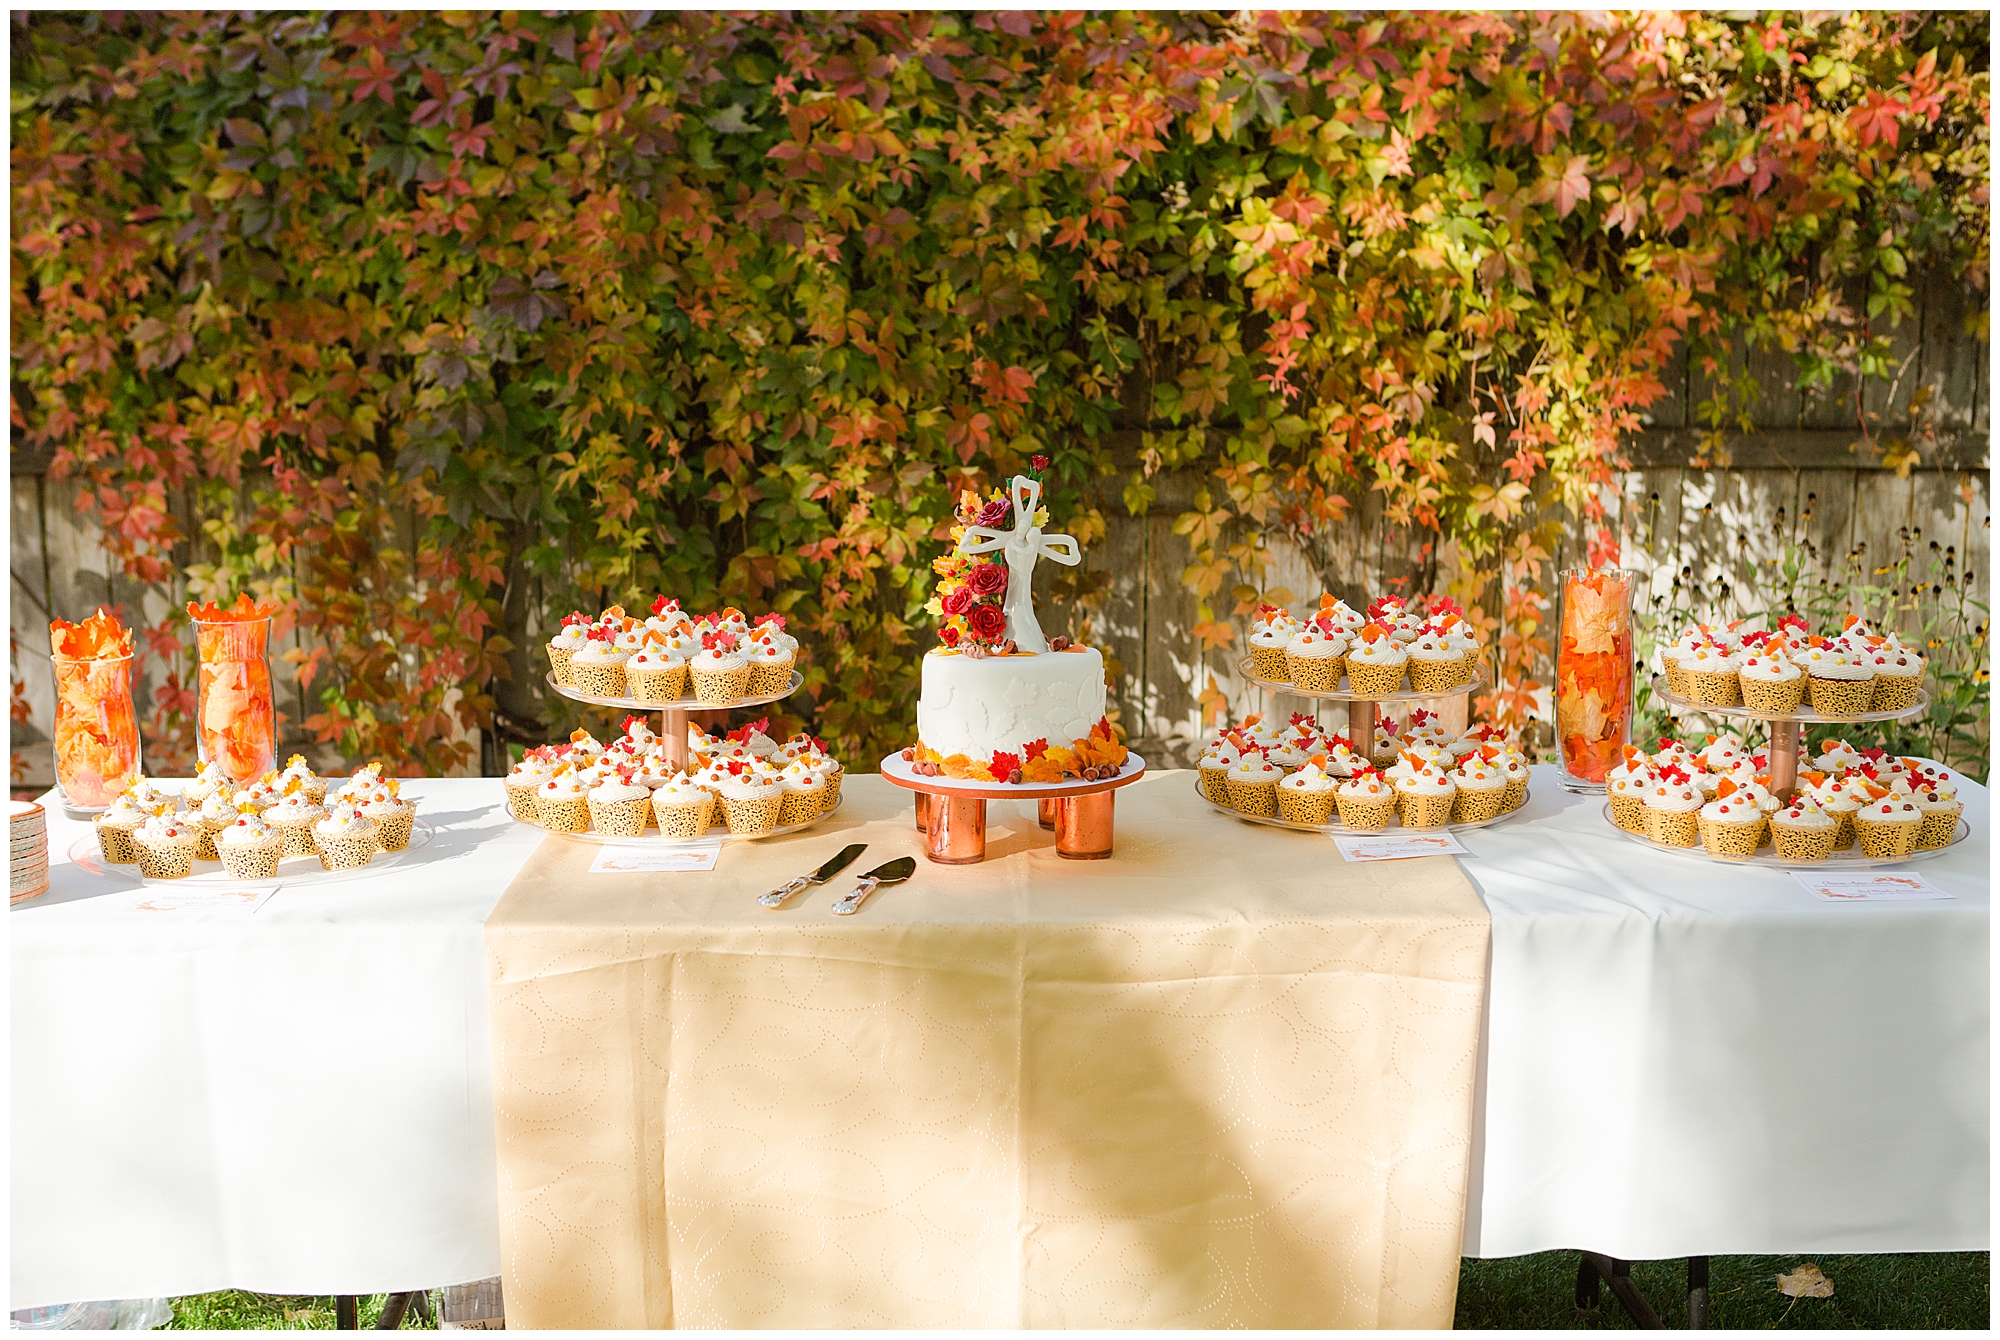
655	860
1857	886
1397	846
194	898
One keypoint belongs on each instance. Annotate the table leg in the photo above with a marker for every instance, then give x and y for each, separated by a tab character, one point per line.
1083	826
924	802
346	1312
957	832
1618	1274
1784	769
1045	811
1697	1293
1586	1284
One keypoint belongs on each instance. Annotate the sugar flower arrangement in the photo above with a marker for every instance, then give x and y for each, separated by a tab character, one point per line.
969	600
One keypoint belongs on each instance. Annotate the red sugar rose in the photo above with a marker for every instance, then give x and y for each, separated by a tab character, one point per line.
987	623
988	579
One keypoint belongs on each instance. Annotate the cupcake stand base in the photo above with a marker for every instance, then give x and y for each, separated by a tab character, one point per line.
951	814
1361	710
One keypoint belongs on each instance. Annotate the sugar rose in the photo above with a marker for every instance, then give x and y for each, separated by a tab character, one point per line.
988	579
958	602
987	622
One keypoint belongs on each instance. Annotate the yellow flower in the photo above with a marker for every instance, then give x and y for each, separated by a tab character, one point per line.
934	607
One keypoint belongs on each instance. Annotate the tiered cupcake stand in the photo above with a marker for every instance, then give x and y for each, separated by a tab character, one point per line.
1361	714
951	814
674	734
1787	730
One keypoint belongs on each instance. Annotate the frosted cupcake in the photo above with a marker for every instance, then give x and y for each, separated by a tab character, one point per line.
1840	798
750	801
523	780
215	814
721	671
345	839
618	807
115	827
1341	761
1673	807
1306	796
1625	787
259	796
1771	682
1899	674
656	675
599	668
310	782
1731	824
1288	754
1514	766
1424	798
1313	659
683	807
561	804
1802	831
1885	827
829	770
1836	756
1673	659
165	845
1214	764
566	644
1938	802
1253	784
1269	634
770	668
292	819
248	848
1366	800
803	798
1435	665
395	818
1375	664
1712	676
1838	683
1482	791
212	778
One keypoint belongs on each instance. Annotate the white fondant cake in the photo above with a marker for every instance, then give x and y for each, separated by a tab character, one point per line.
976	705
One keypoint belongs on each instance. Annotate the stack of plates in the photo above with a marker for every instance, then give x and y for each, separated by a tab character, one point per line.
28	851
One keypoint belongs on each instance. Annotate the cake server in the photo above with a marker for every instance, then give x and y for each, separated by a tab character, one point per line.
895	872
778	897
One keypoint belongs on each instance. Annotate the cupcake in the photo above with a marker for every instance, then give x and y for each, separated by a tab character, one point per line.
1899	674
248	848
751	799
1731	824
1838	683
115	827
1253	784
292	819
1771	682
310	782
1481	793
618	806
1424	798
1840	799
656	675
1341	762
829	770
1214	764
770	668
1435	665
721	671
1375	663
560	804
1306	796
1673	806
165	844
1938	802
259	795
395	818
1837	756
1270	632
683	808
804	794
1313	659
1365	800
1513	765
598	669
345	839
1625	787
566	644
1712	676
212	778
1802	831
1886	827
523	780
216	813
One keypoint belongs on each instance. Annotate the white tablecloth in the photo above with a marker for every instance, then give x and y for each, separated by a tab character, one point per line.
1687	1059
297	1100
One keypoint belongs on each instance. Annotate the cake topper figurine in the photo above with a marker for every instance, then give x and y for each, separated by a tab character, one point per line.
1022	544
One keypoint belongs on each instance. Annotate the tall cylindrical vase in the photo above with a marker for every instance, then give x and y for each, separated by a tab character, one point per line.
235	718
97	734
1595	673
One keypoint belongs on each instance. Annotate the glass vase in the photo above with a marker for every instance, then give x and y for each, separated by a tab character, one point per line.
236	723
1595	673
97	732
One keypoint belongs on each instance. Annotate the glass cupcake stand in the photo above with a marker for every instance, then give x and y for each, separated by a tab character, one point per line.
951	814
1361	713
674	735
293	871
1787	730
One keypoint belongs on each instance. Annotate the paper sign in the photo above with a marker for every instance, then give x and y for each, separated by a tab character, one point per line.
1398	846
655	860
194	898
1866	886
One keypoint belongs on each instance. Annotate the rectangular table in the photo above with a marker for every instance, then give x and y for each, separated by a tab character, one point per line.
1221	1079
292	1101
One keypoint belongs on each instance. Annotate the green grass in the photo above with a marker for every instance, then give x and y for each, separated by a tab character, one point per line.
1927	1291
1942	1291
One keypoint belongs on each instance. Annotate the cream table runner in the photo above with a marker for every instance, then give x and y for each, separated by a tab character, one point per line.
1222	1079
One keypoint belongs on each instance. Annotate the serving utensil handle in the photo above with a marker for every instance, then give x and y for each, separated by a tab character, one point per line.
778	897
851	904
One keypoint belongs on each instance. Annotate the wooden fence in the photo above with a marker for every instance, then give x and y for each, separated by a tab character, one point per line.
1798	479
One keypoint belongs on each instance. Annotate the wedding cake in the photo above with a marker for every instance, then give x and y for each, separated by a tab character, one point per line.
1000	701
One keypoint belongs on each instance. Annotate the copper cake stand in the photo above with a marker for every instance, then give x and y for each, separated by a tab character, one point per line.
951	814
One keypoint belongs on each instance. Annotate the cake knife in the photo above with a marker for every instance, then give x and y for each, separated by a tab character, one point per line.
778	897
895	872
